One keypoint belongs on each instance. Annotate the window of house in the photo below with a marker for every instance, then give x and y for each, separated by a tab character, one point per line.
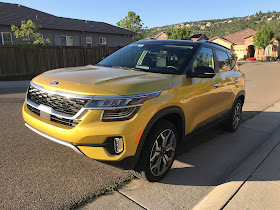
6	38
223	61
102	40
66	41
268	50
204	58
89	41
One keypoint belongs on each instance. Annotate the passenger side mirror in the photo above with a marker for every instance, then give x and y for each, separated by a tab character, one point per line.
203	72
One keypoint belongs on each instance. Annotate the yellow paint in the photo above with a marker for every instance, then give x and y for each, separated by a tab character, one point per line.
204	101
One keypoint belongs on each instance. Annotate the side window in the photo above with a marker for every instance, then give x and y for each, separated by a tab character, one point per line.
232	60
223	61
204	58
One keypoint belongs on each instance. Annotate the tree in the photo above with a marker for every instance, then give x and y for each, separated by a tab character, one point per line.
27	32
179	33
134	23
263	38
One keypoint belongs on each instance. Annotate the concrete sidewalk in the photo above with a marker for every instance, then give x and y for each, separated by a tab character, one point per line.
254	184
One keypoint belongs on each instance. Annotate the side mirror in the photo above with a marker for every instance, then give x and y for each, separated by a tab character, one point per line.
203	72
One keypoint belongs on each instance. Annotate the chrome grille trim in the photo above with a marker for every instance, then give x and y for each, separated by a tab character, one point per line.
53	112
56	119
69	95
61	104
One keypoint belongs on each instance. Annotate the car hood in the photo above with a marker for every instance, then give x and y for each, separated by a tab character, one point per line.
98	80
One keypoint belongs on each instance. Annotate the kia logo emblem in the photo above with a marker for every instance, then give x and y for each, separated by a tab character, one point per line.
54	83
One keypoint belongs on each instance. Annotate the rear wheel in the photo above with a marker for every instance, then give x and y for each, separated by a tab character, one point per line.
158	152
232	123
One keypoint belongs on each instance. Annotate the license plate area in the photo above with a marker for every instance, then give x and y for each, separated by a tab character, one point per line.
45	115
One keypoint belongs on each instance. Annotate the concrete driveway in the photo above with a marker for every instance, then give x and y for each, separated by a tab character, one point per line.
37	173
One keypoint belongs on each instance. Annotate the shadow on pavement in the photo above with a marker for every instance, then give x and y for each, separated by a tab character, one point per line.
221	152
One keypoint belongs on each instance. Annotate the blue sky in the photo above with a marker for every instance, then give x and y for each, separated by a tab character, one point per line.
153	13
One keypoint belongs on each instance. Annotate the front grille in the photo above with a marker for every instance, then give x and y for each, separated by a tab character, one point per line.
61	104
60	120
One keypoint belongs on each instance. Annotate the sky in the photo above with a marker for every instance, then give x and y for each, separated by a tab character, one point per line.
153	13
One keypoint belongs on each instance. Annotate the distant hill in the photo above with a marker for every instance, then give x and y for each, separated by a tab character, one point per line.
222	27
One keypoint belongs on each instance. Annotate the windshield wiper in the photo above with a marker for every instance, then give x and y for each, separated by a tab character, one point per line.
126	68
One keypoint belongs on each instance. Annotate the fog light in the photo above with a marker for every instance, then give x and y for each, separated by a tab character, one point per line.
118	145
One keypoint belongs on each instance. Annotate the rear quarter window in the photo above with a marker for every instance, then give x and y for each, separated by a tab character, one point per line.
223	60
232	60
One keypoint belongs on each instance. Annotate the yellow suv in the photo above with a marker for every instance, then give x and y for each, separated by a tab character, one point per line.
137	105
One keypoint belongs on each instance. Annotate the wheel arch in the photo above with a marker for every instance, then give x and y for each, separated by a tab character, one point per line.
174	114
240	95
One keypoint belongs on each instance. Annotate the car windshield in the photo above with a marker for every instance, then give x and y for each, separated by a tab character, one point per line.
150	57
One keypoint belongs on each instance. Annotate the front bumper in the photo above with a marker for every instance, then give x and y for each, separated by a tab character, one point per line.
59	141
90	135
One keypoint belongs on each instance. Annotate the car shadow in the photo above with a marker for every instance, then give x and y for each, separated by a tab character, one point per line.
211	156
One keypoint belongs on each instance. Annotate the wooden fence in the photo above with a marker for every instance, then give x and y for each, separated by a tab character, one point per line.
14	61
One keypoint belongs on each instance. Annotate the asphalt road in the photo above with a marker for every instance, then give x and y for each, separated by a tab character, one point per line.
37	173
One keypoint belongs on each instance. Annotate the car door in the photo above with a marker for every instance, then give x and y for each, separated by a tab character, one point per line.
227	80
201	94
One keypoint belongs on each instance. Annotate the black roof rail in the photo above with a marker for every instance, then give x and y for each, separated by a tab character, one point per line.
214	43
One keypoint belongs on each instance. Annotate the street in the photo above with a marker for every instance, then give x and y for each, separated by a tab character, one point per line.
38	173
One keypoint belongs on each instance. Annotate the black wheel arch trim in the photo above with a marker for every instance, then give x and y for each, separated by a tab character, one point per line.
240	93
133	160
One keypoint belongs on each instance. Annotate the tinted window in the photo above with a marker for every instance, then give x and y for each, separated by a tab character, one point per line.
204	58
223	61
232	60
150	57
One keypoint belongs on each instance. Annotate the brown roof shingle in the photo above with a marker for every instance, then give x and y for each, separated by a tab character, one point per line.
239	37
13	14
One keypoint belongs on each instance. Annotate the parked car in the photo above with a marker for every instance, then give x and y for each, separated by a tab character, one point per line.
137	105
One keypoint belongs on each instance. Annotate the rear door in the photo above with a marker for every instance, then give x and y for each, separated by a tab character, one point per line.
227	79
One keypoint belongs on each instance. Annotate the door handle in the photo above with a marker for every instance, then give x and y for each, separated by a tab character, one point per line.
217	84
236	80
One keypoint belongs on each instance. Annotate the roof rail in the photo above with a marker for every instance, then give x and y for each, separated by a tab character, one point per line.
214	43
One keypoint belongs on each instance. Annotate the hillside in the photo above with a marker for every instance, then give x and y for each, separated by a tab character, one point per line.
222	27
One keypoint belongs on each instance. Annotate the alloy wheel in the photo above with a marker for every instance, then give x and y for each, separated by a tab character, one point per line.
162	153
237	115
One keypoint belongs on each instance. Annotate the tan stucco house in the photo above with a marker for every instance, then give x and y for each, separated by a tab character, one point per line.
241	44
194	37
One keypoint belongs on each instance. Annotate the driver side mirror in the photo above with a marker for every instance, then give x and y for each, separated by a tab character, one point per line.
203	72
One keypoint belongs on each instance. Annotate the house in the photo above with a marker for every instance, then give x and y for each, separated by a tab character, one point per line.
61	31
194	37
161	35
197	37
241	44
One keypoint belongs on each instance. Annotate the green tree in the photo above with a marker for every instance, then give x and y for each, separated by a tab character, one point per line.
263	38
27	32
134	23
179	33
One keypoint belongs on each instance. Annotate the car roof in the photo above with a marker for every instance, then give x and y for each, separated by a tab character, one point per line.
183	42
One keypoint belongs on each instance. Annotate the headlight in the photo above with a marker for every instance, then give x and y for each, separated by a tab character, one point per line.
116	108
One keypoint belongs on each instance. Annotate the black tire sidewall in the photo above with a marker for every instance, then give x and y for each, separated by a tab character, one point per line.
145	156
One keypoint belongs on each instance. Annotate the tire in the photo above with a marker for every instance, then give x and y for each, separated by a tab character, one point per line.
232	123
157	155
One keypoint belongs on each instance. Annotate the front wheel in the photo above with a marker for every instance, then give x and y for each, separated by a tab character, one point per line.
158	152
232	123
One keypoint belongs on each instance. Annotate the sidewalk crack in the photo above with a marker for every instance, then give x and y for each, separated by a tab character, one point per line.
138	204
